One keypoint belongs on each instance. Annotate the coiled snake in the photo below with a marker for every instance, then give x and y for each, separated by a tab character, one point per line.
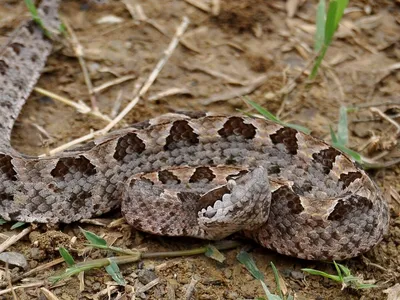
198	175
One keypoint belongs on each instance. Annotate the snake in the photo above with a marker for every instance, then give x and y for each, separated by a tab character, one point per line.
194	174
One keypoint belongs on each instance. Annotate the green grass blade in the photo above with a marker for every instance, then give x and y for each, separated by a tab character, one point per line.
93	238
2	221
339	272
330	26
318	62
346	271
320	30
251	266
343	132
113	270
214	253
277	280
341	6
75	269
360	286
298	127
355	155
265	113
320	273
35	16
17	225
69	260
270	116
333	135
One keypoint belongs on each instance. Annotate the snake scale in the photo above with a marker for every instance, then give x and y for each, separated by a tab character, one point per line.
196	174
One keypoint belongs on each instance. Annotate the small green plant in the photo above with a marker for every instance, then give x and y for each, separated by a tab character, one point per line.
251	266
343	276
110	264
128	256
327	24
269	116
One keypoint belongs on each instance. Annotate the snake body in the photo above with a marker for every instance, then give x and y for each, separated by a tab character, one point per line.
196	174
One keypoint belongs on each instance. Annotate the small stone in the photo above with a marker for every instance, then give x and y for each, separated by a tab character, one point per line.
14	258
297	275
37	254
145	276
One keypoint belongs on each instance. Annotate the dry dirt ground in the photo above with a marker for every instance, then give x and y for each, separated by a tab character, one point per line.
250	47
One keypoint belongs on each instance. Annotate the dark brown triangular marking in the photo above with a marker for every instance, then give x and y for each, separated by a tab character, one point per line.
326	158
286	136
128	144
166	176
73	165
202	173
236	126
181	131
348	178
293	200
344	207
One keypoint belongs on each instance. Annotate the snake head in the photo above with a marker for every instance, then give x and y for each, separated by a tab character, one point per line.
243	205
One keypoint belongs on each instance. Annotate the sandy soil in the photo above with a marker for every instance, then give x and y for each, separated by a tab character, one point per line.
219	54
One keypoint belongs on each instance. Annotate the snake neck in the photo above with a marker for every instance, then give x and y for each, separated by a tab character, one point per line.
22	59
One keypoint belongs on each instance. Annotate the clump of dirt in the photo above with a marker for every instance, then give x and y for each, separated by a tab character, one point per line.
242	16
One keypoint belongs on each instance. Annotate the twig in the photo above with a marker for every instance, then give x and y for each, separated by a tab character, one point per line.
116	81
23	286
200	5
8	275
190	288
80	107
49	295
77	141
15	238
147	286
78	49
215	7
117	104
104	292
167	54
168	92
387	118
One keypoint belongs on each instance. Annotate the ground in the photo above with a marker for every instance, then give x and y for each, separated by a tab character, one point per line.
264	47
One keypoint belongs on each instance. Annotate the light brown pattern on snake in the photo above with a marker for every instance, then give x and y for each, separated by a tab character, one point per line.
199	175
